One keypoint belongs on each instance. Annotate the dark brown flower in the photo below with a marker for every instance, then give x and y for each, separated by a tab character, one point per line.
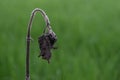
46	43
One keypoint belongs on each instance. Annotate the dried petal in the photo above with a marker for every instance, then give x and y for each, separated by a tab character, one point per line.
46	43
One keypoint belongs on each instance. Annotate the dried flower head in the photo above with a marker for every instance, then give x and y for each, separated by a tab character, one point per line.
46	43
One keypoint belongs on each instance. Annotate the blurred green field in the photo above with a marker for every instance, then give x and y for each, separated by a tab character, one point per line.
88	39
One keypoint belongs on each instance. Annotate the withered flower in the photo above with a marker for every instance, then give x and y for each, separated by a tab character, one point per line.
46	43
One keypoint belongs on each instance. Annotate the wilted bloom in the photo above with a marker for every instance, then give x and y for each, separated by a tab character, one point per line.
46	43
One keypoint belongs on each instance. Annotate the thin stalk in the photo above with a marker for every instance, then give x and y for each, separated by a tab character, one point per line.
29	36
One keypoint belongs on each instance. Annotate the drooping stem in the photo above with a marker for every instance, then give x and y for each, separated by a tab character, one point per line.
29	36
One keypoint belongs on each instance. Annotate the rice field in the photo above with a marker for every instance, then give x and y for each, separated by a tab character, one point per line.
88	39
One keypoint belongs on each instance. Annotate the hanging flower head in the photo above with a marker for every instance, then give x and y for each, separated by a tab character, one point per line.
46	43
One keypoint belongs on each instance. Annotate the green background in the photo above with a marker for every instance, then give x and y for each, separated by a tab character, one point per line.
88	43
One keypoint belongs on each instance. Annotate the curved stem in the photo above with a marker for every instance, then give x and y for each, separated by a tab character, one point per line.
32	16
29	36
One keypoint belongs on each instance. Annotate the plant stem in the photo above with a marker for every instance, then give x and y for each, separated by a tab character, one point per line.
29	37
